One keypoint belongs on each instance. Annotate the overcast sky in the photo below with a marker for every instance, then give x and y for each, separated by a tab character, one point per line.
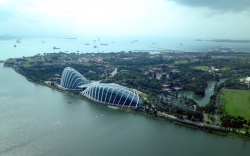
181	18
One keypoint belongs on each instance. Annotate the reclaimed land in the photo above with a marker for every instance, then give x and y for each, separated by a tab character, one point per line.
138	70
237	102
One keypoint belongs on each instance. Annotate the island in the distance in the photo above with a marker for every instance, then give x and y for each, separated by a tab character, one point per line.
225	40
150	84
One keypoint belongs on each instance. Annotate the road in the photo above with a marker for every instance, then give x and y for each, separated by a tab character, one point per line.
216	103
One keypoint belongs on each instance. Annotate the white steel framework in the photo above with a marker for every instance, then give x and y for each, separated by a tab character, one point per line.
71	79
112	94
106	93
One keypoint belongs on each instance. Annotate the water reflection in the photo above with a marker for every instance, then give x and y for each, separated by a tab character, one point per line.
201	100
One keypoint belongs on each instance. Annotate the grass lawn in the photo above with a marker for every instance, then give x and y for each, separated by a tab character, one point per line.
207	119
26	64
201	67
181	62
10	60
237	102
225	68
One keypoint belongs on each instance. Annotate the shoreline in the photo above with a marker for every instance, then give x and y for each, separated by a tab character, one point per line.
151	116
171	118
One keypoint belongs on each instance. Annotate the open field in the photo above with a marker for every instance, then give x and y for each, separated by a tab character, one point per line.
225	68
201	67
10	60
237	102
183	62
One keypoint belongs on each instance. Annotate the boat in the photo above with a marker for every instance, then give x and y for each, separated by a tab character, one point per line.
69	102
18	41
14	45
113	107
95	46
86	44
72	38
198	40
104	44
55	47
43	41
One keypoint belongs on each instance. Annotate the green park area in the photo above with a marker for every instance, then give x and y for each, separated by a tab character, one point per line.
179	62
201	67
237	102
10	60
225	68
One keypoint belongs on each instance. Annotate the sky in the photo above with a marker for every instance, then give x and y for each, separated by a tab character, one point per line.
216	19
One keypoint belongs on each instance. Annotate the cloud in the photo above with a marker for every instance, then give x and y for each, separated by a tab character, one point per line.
126	17
6	14
221	5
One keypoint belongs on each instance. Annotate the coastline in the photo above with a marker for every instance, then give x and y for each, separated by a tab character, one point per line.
167	117
151	116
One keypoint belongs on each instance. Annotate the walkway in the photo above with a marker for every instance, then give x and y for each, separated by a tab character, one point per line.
198	124
216	103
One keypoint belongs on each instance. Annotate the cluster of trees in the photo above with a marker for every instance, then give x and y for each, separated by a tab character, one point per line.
37	73
189	78
233	122
138	62
235	83
194	80
191	115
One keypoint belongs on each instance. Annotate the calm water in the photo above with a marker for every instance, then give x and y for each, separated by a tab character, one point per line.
32	46
36	120
201	100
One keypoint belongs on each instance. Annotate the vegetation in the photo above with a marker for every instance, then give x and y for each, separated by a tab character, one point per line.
139	71
225	68
201	67
237	102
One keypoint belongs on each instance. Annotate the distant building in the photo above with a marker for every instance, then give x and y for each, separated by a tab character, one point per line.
247	80
158	76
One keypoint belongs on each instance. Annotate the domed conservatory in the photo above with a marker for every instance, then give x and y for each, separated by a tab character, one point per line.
105	93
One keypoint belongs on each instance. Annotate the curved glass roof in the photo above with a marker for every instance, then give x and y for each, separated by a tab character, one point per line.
71	79
112	94
106	93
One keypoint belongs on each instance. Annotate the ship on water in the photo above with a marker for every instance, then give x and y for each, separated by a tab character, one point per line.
71	38
18	41
95	46
55	47
86	43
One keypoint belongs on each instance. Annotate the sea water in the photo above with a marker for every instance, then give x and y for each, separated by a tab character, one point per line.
36	120
30	46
